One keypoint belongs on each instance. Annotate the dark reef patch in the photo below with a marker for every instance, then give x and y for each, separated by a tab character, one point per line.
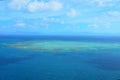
106	62
11	60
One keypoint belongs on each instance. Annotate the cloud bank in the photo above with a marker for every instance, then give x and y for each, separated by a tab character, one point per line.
34	6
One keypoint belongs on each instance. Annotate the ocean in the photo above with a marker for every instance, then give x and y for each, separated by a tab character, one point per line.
99	59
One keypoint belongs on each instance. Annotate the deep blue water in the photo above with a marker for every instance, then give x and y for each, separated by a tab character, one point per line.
27	65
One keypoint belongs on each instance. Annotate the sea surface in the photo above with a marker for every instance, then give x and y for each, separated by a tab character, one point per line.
18	64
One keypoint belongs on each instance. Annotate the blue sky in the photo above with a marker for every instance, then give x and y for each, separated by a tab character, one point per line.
60	17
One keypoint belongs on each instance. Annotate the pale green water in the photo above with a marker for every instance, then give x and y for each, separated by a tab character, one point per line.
63	46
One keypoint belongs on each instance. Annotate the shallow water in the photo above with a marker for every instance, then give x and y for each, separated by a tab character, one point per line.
21	64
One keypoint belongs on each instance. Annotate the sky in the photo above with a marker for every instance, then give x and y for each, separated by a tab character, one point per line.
60	17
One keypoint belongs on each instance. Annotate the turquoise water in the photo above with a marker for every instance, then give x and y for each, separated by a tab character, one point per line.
19	64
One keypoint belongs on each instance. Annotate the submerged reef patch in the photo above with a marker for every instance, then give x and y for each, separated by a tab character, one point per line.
63	46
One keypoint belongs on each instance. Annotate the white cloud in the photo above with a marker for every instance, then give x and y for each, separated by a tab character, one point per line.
72	13
62	22
107	25
20	24
54	5
18	4
114	13
103	3
94	25
52	19
100	25
35	5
